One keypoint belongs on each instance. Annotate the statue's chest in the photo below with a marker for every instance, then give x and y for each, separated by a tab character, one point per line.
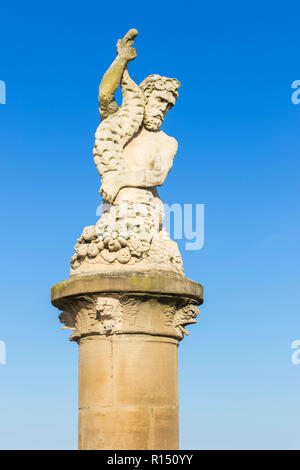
144	151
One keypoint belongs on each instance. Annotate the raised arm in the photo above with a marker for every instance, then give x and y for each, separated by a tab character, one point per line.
111	79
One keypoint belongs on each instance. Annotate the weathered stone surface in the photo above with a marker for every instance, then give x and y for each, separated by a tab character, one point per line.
127	302
155	282
128	393
128	328
160	304
122	428
133	157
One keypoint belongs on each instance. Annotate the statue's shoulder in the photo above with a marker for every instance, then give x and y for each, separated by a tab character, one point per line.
168	140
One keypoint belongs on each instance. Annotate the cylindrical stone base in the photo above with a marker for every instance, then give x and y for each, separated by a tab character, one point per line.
128	326
128	392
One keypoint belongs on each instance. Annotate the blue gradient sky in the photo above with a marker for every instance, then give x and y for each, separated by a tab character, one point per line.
238	134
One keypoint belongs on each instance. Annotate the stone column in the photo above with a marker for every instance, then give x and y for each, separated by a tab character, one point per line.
128	327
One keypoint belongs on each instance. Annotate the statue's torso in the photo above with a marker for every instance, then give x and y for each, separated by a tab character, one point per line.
150	151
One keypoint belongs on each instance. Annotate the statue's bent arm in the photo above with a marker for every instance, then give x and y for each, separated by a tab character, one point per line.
108	86
113	181
112	77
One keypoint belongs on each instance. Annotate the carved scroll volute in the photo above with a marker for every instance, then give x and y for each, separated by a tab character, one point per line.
91	315
185	315
130	306
78	315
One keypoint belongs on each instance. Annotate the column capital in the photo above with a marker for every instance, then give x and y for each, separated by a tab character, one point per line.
159	303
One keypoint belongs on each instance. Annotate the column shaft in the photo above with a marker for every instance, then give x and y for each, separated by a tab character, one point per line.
128	392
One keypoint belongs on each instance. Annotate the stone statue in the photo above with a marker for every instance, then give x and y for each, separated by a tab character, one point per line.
133	157
130	148
127	301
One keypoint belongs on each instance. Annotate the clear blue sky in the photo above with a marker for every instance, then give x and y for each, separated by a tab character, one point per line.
238	134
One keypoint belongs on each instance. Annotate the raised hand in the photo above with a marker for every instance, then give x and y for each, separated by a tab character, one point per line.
124	46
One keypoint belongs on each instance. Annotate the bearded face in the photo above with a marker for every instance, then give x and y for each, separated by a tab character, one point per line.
157	105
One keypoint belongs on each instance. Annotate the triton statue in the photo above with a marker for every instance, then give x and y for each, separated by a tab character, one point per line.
133	157
130	148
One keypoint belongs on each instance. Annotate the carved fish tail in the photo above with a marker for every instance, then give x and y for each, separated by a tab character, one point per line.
108	145
133	107
114	132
